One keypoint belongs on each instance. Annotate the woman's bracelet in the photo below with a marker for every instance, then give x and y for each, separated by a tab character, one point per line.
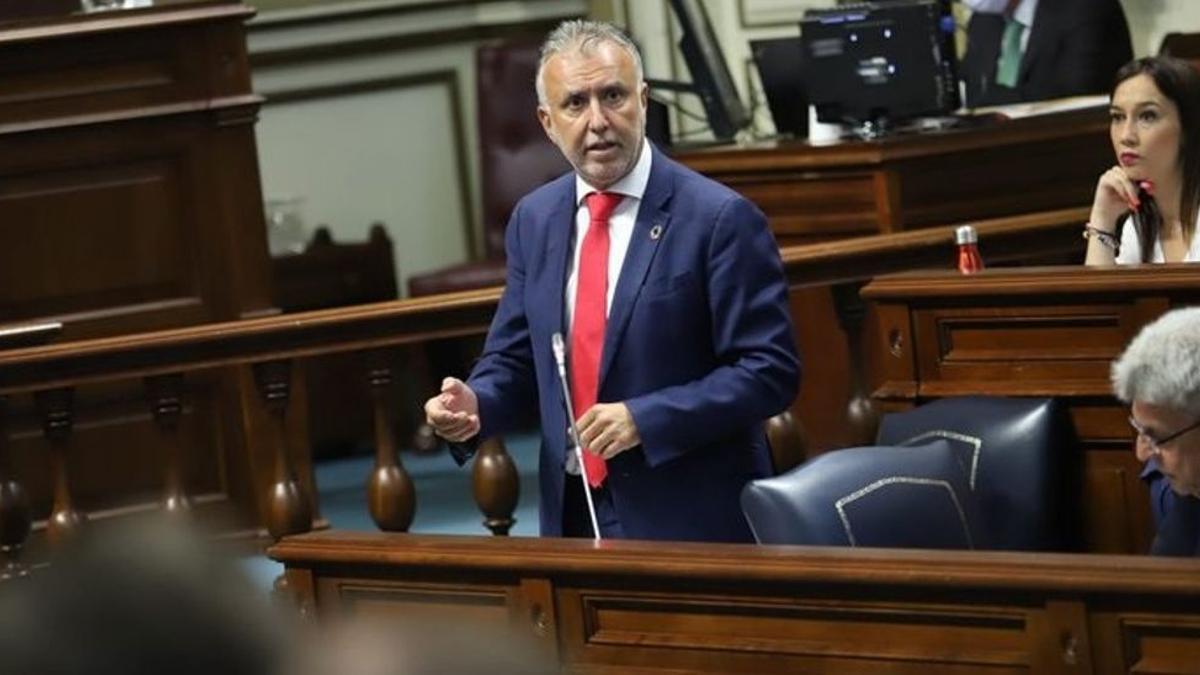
1106	239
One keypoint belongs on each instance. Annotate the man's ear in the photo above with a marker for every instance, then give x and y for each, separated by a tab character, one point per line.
543	114
645	95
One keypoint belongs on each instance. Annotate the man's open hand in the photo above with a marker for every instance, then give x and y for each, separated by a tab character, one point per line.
454	413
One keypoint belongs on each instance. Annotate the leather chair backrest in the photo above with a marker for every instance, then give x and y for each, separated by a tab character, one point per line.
1016	453
909	497
514	153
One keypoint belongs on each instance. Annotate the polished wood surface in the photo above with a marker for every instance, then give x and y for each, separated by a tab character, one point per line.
819	192
826	193
1050	331
628	606
834	405
265	399
130	201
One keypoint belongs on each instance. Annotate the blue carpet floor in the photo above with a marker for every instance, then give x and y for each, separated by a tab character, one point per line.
444	501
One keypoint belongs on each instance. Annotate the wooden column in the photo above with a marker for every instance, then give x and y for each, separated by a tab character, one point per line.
496	486
862	414
789	446
289	509
56	409
15	518
391	497
164	393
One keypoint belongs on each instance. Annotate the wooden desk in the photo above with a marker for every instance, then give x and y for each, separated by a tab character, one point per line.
130	201
818	192
1034	332
640	607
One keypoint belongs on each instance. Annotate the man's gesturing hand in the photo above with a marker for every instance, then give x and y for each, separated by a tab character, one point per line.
454	413
607	429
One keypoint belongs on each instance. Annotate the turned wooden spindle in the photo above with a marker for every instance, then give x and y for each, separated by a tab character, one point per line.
789	446
862	415
56	409
165	395
289	510
496	486
391	497
15	517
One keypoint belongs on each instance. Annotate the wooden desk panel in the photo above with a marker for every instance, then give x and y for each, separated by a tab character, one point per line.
130	201
642	607
816	192
1050	331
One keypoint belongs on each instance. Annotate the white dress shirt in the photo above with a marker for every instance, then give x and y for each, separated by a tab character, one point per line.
620	228
1131	248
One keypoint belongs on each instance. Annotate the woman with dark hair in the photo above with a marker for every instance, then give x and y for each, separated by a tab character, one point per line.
1146	207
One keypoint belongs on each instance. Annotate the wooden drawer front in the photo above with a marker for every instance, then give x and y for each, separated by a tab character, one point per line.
477	605
1020	350
623	629
812	205
1002	181
66	80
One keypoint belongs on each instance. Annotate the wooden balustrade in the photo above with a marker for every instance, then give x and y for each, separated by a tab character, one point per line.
15	520
268	347
265	348
165	395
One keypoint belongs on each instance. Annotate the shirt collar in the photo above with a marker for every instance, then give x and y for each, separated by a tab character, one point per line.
1024	12
632	184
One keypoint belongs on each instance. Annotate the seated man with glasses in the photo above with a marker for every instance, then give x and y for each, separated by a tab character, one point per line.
1159	377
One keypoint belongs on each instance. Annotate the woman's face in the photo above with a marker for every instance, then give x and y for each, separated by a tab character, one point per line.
1145	130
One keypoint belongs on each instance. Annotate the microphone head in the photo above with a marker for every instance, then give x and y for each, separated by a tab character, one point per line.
556	343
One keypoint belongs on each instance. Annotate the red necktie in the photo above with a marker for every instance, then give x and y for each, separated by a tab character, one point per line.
587	327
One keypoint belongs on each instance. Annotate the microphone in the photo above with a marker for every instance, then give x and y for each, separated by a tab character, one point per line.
560	359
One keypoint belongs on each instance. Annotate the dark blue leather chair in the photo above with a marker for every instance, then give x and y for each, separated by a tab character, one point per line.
1021	458
910	497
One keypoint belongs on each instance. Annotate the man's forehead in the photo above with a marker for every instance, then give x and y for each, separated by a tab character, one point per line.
590	59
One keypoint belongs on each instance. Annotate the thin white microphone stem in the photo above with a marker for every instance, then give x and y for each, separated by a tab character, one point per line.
560	359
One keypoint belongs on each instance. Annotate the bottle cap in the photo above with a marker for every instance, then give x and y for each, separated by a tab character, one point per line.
965	234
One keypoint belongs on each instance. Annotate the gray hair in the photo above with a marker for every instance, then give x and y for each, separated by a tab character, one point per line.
580	35
1161	366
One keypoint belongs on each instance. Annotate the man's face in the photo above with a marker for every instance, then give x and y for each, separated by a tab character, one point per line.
1178	458
595	111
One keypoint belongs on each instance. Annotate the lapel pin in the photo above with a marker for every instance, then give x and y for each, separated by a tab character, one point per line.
656	232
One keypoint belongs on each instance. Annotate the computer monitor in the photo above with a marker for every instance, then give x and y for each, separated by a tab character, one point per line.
781	70
878	63
711	80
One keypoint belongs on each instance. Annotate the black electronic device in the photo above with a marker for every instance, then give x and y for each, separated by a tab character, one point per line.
711	80
780	64
875	64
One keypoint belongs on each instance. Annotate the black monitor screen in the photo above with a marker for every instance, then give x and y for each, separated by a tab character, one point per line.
880	62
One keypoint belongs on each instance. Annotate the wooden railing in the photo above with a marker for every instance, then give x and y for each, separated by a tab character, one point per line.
164	360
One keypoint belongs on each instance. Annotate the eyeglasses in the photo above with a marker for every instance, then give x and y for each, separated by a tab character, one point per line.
1156	444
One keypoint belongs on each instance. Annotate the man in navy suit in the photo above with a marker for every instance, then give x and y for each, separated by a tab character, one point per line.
1056	48
679	330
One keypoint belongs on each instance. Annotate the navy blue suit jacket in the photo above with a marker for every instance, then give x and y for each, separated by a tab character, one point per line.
1075	47
698	344
1179	532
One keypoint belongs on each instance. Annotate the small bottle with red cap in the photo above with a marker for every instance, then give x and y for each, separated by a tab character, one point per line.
969	260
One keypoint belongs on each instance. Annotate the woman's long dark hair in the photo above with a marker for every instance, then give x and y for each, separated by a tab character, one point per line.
1179	81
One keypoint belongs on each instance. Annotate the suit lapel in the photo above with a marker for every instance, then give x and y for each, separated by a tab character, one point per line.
560	228
1042	18
652	217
